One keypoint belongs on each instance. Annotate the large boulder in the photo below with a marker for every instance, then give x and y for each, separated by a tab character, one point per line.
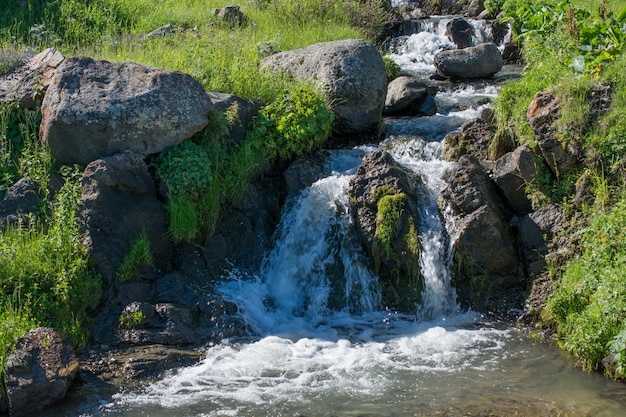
485	254
408	96
94	109
562	157
480	61
39	371
512	173
383	198
27	83
351	73
118	204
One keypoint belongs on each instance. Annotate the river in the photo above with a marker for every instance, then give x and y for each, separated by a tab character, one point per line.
349	357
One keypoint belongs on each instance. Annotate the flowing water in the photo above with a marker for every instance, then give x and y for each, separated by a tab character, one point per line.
324	345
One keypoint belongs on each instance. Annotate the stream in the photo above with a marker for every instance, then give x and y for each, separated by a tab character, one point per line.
328	349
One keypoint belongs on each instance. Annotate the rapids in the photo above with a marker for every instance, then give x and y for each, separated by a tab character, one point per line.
326	347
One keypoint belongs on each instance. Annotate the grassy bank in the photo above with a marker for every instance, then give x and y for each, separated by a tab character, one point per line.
571	48
44	275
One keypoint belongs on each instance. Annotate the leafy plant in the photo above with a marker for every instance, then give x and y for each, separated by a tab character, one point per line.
297	122
186	169
14	57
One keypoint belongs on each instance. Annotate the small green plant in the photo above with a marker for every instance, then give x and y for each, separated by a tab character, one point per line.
391	68
139	254
132	320
589	304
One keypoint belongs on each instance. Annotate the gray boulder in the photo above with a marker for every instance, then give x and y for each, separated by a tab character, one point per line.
39	371
94	109
240	110
475	8
20	202
407	96
460	32
542	115
480	61
512	173
474	138
351	73
27	83
118	203
485	255
383	198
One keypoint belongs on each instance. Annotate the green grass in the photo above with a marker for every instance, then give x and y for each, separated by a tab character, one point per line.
139	254
588	309
589	304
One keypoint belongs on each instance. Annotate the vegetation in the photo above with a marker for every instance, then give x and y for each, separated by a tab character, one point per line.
139	255
44	273
573	48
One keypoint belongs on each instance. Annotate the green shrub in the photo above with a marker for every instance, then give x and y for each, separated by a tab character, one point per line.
297	122
186	169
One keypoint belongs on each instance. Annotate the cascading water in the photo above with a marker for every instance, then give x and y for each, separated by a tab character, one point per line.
323	344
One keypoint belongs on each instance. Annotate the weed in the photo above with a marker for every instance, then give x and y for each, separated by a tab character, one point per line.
139	254
132	320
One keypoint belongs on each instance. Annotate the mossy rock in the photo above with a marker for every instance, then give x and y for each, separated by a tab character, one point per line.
384	200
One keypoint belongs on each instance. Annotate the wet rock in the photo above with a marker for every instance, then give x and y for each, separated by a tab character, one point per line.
512	173
254	217
474	138
20	202
28	83
486	263
351	73
383	197
481	61
304	171
460	32
94	109
135	366
407	96
39	371
118	204
542	114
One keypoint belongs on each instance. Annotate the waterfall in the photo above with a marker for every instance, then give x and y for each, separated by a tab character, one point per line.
424	158
416	53
322	344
